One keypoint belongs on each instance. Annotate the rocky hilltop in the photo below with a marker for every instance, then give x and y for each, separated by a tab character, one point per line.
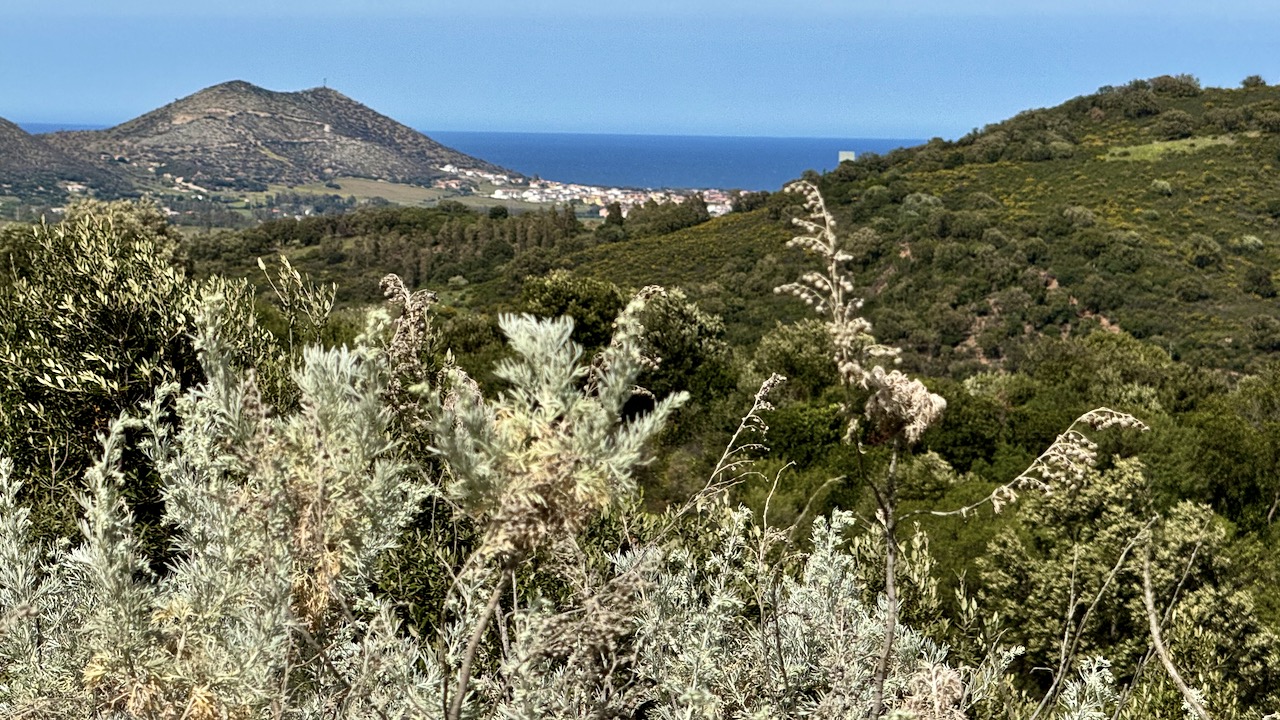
237	133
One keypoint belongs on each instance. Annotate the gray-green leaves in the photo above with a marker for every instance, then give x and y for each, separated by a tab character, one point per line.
553	449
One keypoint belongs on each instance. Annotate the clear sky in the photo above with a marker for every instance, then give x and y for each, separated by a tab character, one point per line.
820	68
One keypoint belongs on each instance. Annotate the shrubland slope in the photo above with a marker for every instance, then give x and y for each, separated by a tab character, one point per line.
1153	208
28	165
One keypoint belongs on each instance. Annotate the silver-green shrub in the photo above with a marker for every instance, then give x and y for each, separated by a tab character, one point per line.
553	449
265	610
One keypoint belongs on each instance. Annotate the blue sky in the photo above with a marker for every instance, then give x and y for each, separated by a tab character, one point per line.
818	68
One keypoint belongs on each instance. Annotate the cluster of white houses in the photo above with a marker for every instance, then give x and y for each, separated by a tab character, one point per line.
556	193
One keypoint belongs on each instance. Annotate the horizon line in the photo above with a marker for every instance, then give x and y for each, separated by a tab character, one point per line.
41	128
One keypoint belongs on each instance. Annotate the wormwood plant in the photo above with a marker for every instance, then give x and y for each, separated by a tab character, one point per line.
552	451
265	611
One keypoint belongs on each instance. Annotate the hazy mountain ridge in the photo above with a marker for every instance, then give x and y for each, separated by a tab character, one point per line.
236	133
26	161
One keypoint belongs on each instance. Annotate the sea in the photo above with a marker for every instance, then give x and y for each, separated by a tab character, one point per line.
37	128
663	161
645	161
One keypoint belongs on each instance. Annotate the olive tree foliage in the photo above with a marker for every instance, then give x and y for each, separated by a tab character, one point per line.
96	313
687	347
1068	575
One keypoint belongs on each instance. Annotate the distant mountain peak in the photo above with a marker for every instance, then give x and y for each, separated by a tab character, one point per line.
230	88
236	132
325	90
237	85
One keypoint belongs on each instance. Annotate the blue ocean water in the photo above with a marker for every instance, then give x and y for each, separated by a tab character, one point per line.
37	128
662	161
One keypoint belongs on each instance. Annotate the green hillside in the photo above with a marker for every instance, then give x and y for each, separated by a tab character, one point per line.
1076	248
1057	220
730	265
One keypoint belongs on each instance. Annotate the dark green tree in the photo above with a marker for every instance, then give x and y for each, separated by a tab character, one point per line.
1257	281
592	303
1175	125
613	228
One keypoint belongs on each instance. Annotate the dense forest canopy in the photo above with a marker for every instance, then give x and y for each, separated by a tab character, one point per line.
984	428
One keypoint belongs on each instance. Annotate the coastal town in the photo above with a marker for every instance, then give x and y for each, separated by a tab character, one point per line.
186	202
505	187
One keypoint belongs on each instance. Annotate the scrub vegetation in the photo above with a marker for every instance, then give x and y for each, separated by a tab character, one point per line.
980	429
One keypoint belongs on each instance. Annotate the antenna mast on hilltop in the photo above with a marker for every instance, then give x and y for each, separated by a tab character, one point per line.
324	82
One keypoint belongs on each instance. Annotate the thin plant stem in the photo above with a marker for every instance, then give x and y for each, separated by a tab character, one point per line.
1189	697
887	512
473	645
1164	620
1066	635
1088	613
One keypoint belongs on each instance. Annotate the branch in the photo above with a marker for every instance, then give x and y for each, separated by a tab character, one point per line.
729	461
464	673
887	503
1066	634
1066	457
323	655
1084	619
808	506
1148	599
1168	613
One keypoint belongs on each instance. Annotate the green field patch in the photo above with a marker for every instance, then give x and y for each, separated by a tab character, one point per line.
1160	148
366	188
401	194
